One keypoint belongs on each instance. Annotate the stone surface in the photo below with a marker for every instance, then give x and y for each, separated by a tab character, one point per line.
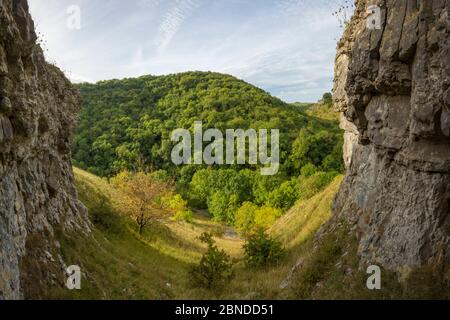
392	86
38	113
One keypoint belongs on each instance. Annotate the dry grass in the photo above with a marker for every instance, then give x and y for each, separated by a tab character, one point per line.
119	264
295	230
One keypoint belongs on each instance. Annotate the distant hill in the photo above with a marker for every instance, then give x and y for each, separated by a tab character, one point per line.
126	124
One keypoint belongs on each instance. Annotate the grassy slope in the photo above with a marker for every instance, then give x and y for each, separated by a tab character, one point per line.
118	264
296	230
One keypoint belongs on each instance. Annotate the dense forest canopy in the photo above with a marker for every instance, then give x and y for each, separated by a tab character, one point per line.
126	125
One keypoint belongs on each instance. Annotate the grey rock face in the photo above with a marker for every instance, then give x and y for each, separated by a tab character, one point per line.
38	113
392	86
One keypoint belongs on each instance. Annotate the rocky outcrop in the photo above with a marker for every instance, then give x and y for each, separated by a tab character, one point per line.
393	87
38	113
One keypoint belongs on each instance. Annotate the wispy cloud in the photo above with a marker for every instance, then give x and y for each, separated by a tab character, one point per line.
172	21
76	78
149	3
286	47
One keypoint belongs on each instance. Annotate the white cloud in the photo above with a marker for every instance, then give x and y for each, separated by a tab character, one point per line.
76	78
286	47
172	22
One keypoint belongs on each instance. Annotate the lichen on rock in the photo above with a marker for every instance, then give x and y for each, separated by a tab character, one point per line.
393	87
38	113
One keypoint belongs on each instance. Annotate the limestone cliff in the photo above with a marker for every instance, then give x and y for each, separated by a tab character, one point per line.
38	113
392	86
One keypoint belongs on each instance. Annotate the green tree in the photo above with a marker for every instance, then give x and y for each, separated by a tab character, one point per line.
215	267
261	250
327	99
265	217
308	170
223	207
284	197
245	218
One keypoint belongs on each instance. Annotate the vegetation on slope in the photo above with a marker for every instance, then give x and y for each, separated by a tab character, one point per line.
126	125
125	128
118	263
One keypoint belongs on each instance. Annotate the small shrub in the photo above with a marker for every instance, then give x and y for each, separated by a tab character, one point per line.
261	250
215	267
250	217
184	216
310	186
245	218
180	208
265	217
308	170
284	197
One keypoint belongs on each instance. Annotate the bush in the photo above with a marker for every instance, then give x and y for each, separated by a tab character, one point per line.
250	217
245	218
215	267
327	99
308	170
184	216
266	217
284	197
308	187
179	207
261	250
223	207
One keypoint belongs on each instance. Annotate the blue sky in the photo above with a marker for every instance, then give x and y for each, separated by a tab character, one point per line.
286	47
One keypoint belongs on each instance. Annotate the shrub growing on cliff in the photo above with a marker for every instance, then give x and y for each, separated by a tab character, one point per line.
215	267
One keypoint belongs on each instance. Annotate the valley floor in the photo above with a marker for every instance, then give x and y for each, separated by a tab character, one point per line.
118	263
